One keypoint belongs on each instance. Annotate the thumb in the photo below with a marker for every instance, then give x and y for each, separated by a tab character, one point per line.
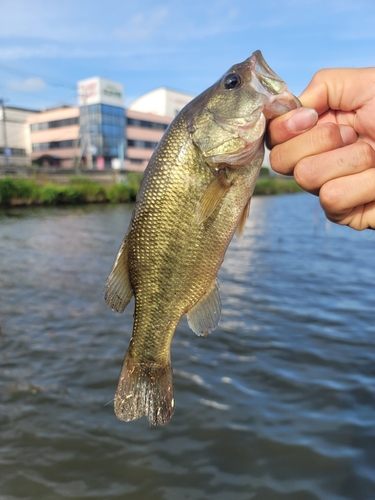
289	125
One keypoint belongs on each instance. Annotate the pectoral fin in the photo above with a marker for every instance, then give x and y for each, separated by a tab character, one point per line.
204	317
118	291
211	198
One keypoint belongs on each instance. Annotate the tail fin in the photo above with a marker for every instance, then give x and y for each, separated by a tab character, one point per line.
145	389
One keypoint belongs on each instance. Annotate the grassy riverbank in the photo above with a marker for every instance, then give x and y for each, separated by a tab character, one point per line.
276	185
79	190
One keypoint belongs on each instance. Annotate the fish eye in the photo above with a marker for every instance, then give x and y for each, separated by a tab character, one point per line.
232	81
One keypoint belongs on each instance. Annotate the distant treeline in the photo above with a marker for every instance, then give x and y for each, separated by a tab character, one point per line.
80	190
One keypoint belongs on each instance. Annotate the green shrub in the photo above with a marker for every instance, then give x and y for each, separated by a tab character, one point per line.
274	185
72	195
264	172
119	193
50	194
132	182
91	190
17	189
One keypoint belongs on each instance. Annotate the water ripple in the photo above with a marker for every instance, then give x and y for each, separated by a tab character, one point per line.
277	403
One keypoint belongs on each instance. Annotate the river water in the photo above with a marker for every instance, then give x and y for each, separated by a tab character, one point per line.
277	403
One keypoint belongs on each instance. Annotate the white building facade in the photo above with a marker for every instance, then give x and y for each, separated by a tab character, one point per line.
162	102
15	144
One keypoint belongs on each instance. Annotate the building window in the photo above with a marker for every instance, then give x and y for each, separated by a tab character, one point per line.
142	144
54	124
134	122
103	129
13	151
42	146
146	124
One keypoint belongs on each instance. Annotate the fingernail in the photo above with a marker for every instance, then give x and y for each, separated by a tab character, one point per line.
303	119
348	134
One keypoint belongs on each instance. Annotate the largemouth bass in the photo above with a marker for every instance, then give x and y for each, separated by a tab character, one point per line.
194	195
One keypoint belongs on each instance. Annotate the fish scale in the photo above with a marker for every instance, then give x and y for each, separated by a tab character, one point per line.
194	195
163	252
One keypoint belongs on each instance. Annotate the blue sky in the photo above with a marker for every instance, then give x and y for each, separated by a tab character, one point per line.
46	46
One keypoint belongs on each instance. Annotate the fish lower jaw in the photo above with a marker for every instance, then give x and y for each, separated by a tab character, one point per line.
280	104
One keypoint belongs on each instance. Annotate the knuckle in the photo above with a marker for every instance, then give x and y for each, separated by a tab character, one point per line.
271	134
276	132
365	154
320	79
319	76
276	160
327	136
330	197
306	174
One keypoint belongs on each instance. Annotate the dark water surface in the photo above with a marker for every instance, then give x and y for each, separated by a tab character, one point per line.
277	403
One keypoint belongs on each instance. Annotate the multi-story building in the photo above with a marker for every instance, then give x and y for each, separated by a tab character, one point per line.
99	132
58	140
54	137
102	122
143	132
147	118
15	146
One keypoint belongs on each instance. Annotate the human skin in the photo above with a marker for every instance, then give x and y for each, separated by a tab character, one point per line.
329	144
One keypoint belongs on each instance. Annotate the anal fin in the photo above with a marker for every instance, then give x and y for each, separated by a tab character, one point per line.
204	316
118	291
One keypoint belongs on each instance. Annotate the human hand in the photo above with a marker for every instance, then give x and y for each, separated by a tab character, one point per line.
331	151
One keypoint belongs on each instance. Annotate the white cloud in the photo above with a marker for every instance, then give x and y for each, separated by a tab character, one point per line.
33	84
142	26
180	24
43	20
91	30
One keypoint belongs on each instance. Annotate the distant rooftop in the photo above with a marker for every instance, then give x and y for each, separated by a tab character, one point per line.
62	106
161	101
17	108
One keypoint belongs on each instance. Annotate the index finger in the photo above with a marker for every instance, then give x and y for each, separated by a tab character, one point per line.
340	89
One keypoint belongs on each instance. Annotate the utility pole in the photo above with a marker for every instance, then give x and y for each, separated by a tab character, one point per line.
87	132
4	134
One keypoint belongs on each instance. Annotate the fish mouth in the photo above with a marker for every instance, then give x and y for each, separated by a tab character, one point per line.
265	81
